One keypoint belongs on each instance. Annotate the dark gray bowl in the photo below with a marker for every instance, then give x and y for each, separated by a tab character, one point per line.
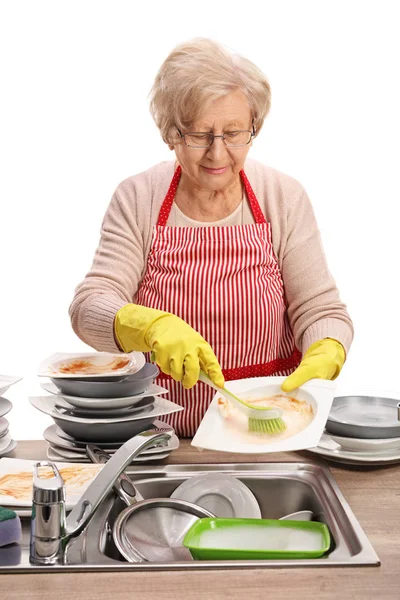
107	432
130	385
367	417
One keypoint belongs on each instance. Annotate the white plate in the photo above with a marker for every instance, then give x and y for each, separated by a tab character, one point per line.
5	443
47	405
222	495
105	403
5	406
7	381
330	450
14	472
214	432
51	366
360	444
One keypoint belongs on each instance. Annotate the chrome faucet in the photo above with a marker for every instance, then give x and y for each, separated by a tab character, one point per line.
50	529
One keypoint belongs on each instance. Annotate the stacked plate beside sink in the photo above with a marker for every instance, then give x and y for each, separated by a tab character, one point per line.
362	430
105	409
7	444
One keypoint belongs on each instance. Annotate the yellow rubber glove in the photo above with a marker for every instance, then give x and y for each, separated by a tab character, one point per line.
323	360
179	350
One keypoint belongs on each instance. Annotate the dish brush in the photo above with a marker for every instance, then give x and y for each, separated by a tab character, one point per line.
261	419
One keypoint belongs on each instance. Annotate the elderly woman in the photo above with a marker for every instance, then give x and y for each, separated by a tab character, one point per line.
213	261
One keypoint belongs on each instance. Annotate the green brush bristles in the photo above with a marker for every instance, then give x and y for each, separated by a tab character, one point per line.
268	426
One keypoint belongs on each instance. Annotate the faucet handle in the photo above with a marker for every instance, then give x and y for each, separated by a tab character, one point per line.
47	490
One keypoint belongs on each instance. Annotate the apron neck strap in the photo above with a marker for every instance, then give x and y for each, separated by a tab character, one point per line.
169	198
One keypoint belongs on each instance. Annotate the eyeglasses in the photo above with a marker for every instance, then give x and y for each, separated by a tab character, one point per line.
232	139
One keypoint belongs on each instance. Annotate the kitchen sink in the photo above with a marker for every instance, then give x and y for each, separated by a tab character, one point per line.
280	489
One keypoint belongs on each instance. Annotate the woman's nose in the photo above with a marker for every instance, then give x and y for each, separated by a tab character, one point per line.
217	149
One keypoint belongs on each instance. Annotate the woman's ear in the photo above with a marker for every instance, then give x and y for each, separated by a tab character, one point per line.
171	147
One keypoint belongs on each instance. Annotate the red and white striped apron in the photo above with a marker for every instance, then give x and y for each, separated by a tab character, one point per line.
225	282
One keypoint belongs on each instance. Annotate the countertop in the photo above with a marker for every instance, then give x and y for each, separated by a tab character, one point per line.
373	495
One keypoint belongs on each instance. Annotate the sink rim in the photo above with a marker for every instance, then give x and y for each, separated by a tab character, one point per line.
83	553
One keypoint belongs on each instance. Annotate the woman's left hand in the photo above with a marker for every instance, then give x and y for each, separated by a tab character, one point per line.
323	360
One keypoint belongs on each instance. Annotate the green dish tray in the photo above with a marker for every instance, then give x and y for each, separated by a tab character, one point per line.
192	539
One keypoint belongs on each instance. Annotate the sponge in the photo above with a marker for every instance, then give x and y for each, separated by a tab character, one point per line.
10	527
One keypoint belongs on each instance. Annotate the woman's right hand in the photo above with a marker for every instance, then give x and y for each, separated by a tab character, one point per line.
178	349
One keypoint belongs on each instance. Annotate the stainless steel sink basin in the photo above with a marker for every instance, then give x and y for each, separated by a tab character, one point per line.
280	488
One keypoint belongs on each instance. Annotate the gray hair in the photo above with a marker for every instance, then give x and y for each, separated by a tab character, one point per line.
196	73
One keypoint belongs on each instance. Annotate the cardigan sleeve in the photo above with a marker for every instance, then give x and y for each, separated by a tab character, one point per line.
115	273
315	309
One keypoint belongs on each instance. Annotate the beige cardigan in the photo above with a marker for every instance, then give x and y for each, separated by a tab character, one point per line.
315	310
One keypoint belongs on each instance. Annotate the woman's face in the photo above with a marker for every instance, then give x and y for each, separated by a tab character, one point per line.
216	167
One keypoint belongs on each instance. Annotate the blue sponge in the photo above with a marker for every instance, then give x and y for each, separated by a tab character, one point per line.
10	527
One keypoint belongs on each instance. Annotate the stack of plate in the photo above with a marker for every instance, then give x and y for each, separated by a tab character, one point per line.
105	408
7	444
363	430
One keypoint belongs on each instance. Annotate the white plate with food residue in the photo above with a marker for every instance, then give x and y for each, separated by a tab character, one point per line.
92	365
305	411
16	480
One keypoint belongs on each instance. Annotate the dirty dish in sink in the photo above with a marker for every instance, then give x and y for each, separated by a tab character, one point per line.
256	539
153	530
91	365
128	385
370	417
300	515
305	413
221	494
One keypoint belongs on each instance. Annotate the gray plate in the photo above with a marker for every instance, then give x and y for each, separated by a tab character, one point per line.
57	437
117	429
10	448
4	433
129	385
108	432
5	406
159	408
102	403
57	455
143	406
365	459
3	425
368	417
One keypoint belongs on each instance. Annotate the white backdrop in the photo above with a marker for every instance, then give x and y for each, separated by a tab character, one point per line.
74	122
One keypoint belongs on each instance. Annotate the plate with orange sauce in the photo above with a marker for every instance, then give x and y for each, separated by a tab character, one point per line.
94	365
